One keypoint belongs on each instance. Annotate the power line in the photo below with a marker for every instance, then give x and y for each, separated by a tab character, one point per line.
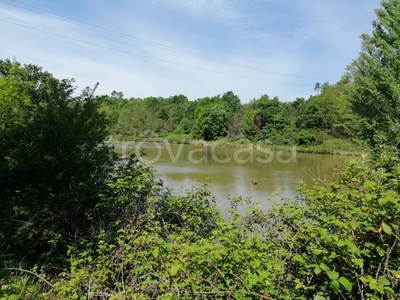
145	42
148	57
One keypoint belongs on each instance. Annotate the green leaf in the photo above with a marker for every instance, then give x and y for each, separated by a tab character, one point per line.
383	201
386	228
383	280
389	289
354	225
317	251
317	270
346	283
364	279
369	184
373	285
298	258
155	252
335	284
254	279
358	261
255	263
333	275
380	251
352	247
174	270
324	267
324	234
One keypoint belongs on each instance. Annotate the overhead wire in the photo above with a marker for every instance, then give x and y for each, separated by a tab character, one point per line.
148	57
146	42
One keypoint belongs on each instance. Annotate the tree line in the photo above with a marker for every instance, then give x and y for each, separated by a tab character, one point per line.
300	122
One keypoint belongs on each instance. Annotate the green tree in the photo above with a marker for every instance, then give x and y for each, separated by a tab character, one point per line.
211	118
178	99
309	117
216	123
329	112
263	116
232	101
126	122
14	101
375	95
51	159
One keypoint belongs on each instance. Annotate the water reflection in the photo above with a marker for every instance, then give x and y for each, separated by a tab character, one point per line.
230	171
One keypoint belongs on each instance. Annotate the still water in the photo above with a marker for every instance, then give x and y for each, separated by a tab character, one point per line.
234	171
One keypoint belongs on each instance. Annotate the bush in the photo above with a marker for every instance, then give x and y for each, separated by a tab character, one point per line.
339	241
52	160
306	137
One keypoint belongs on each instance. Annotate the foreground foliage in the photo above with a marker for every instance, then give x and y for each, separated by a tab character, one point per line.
338	241
52	161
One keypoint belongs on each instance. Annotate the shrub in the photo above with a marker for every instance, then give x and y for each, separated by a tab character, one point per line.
306	137
340	241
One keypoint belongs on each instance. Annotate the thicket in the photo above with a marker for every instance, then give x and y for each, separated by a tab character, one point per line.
338	241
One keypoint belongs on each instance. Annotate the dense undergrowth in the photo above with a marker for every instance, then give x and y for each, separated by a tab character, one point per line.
338	241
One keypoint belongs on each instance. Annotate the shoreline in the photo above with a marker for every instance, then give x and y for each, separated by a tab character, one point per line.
243	143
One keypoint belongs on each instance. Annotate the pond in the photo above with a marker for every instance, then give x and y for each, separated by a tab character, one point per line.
249	171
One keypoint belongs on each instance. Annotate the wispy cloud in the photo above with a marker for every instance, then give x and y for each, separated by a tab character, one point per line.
299	38
211	10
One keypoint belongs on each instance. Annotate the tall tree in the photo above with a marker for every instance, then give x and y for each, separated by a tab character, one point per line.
375	95
263	116
211	118
51	159
232	101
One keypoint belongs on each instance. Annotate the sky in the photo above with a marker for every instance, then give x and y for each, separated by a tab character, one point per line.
197	48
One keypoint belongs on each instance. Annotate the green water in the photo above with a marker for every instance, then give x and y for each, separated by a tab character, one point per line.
232	171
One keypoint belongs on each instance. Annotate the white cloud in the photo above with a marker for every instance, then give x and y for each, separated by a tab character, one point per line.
140	77
214	10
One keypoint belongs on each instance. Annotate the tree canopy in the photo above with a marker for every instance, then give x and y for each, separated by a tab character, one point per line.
51	158
375	92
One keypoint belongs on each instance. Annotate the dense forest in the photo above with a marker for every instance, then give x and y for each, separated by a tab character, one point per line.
324	118
79	222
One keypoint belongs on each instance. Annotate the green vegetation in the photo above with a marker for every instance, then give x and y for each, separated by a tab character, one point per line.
324	123
376	79
52	161
313	123
77	222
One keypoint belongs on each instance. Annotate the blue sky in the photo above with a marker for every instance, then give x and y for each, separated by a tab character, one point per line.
308	38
